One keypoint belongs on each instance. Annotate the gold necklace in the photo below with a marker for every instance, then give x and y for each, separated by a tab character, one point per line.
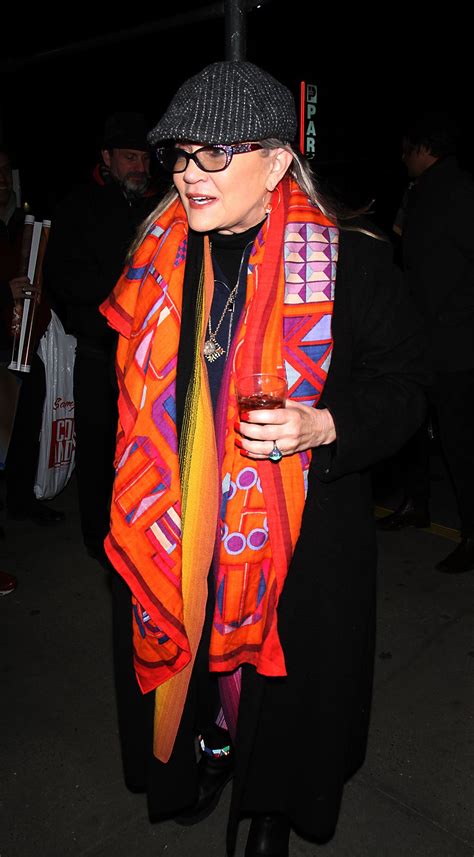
212	349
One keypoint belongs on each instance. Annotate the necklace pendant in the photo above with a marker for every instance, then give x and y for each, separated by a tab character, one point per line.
212	350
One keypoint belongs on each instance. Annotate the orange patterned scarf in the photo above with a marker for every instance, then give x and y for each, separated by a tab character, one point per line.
165	507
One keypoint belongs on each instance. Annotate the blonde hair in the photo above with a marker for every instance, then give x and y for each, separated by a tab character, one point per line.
300	170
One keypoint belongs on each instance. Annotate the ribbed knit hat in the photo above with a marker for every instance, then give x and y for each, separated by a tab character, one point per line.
228	102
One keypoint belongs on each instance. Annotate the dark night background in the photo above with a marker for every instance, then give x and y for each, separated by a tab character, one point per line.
373	69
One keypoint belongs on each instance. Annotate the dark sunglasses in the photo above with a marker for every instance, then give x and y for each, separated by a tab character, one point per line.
210	159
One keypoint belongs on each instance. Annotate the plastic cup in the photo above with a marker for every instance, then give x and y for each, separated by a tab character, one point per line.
259	392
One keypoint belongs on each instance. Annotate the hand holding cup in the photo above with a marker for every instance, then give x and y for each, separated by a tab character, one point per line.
272	426
262	392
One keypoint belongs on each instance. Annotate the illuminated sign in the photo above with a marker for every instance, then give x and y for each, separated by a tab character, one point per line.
308	102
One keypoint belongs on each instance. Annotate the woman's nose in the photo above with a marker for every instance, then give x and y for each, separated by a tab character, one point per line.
193	173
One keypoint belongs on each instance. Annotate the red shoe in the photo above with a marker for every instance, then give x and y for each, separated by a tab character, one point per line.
8	583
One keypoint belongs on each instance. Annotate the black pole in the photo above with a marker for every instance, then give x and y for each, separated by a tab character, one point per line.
235	29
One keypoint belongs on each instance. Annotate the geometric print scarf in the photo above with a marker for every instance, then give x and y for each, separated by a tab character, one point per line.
168	505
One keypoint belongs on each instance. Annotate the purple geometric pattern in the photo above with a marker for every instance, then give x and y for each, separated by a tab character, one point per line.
181	254
310	255
307	347
163	413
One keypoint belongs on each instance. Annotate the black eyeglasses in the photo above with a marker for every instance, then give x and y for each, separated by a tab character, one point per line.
210	159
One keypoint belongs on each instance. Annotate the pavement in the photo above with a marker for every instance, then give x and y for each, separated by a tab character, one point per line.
62	793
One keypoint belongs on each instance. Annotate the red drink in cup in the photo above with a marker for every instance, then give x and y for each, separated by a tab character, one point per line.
260	392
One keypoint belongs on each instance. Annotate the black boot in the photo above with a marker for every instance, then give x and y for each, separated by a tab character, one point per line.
214	772
460	559
409	514
269	836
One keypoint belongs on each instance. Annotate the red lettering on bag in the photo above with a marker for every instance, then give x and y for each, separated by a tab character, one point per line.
63	442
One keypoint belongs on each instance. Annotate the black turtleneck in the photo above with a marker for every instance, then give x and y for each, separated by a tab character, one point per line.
230	254
227	251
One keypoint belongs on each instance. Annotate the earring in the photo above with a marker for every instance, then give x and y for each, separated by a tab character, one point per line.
269	205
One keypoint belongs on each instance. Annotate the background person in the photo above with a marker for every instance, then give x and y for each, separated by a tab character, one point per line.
23	450
437	240
244	268
90	235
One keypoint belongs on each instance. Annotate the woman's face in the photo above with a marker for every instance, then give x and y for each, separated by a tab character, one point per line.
232	200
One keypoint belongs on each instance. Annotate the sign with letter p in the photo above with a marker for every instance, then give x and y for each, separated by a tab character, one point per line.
308	102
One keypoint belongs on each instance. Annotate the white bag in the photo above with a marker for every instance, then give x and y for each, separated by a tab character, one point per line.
57	350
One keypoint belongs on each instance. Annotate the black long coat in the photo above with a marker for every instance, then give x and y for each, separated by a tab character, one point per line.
301	737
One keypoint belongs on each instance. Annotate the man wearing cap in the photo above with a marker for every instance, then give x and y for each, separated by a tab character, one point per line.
90	234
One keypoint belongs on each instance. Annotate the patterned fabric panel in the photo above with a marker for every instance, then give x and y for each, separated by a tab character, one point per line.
310	254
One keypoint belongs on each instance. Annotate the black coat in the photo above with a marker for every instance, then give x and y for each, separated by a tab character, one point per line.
91	232
299	738
438	260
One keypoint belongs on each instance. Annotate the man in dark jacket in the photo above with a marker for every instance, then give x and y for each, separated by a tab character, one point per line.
90	235
23	448
438	260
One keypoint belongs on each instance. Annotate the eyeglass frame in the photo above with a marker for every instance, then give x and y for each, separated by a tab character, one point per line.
230	151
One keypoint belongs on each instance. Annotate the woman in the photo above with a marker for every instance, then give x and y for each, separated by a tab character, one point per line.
268	657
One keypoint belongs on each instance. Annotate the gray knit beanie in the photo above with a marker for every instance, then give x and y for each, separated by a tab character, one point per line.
228	102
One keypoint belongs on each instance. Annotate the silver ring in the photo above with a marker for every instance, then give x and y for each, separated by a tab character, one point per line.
276	454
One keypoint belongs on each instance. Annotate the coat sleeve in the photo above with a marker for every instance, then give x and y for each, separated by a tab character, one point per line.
73	269
376	387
